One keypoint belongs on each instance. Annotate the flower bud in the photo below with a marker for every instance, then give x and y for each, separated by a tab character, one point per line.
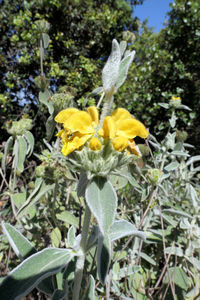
154	176
181	135
42	26
19	127
41	82
175	101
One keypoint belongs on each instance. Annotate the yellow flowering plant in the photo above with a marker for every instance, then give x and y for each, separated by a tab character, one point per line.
96	146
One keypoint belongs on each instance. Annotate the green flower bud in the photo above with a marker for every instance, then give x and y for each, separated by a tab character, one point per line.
41	82
61	101
19	127
154	176
144	149
129	36
40	171
181	135
42	26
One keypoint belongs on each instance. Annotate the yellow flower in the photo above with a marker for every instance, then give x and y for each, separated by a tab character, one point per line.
78	127
175	98
81	126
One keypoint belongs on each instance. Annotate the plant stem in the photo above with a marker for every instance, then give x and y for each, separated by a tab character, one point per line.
81	259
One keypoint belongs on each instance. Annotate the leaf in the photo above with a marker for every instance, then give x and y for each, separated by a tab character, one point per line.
68	218
172	166
8	146
103	257
50	126
15	154
123	69
44	98
71	236
30	142
177	212
178	276
165	105
111	68
179	153
174	251
89	294
123	228
45	39
32	200
56	237
82	184
19	199
31	271
192	160
21	246
22	148
23	249
148	258
122	45
118	182
102	201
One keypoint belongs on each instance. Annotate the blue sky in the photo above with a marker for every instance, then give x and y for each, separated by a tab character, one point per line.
155	11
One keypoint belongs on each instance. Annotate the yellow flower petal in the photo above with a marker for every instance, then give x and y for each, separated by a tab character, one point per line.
108	130
63	115
94	114
121	114
95	144
131	128
74	143
79	122
120	143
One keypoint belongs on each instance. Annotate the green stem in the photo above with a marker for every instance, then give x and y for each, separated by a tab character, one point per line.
106	108
81	259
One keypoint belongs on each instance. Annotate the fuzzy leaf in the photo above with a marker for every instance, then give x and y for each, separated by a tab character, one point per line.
44	98
102	201
33	270
30	142
8	146
22	148
123	69
103	257
123	228
89	294
111	68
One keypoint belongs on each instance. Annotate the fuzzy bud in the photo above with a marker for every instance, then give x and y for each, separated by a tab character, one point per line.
154	176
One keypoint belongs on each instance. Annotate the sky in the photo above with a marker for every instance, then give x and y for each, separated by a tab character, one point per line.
155	11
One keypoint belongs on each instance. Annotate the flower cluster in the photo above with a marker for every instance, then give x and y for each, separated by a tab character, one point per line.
81	126
95	149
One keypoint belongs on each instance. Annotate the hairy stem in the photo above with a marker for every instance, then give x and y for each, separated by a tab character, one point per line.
81	259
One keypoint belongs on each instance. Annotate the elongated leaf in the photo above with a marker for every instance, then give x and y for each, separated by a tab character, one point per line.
89	294
32	270
50	126
172	166
122	45
8	146
193	159
111	68
123	69
45	39
177	212
15	154
102	201
179	153
30	142
22	148
123	228
82	184
68	218
71	236
44	97
103	257
148	258
30	201
18	199
56	237
22	247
